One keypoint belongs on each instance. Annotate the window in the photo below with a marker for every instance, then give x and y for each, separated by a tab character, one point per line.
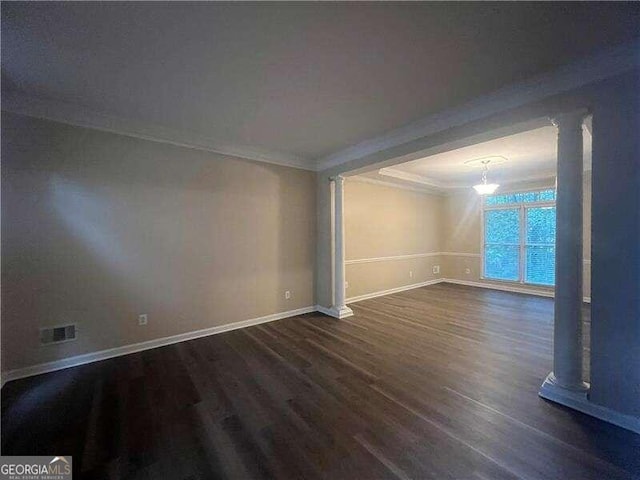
519	237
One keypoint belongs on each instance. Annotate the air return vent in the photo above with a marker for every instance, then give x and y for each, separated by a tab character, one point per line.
61	334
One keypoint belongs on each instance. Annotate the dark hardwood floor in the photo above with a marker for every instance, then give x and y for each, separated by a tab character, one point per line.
435	383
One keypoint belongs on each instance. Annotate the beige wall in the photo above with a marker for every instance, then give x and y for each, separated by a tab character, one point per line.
98	228
382	221
463	235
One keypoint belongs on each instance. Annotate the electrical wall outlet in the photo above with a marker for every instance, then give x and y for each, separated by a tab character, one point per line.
142	319
346	284
287	295
410	274
436	269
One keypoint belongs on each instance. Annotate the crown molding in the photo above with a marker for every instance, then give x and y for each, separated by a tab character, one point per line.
382	183
440	187
79	116
548	175
415	178
443	189
607	64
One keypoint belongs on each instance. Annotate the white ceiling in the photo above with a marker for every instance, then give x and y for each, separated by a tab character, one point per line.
302	79
530	155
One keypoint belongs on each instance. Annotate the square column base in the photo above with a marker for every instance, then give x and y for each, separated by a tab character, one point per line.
570	397
338	312
578	399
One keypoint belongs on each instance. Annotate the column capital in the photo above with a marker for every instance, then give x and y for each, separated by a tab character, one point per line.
337	179
570	118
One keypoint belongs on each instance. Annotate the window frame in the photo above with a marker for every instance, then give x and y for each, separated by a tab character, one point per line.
522	207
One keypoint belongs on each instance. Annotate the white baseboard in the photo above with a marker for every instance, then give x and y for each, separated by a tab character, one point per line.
138	347
381	293
491	286
506	288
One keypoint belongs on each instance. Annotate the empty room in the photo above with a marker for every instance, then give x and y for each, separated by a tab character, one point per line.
346	240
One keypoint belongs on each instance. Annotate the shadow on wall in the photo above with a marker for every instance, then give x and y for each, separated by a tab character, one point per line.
99	228
465	217
176	264
100	220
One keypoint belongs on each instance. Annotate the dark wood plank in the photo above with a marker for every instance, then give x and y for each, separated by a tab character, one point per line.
438	382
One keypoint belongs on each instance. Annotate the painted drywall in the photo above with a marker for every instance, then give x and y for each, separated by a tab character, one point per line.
383	224
615	231
98	228
383	221
463	235
615	249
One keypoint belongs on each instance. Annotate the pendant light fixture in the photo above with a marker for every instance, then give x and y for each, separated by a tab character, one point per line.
485	188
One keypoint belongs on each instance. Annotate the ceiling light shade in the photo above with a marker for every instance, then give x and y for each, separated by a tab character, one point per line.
485	188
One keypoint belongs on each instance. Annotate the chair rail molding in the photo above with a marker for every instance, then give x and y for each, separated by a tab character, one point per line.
391	258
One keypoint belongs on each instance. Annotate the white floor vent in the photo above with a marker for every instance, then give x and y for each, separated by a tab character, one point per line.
61	334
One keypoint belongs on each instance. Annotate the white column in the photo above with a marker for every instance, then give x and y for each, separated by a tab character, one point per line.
339	308
564	384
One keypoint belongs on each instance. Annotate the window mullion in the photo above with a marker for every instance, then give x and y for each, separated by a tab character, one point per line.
523	231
